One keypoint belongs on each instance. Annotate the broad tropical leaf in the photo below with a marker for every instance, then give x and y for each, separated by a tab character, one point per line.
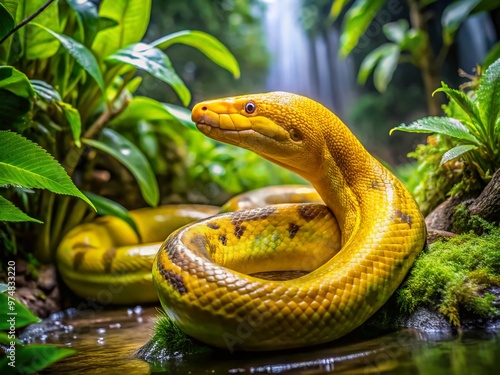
9	212
206	43
15	81
7	23
396	31
88	19
26	164
156	63
488	96
455	152
132	17
385	68
37	43
441	125
356	22
372	59
45	91
337	7
105	206
182	115
463	101
23	315
44	354
82	55
132	158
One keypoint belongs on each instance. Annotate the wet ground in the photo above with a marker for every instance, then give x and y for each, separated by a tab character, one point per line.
107	340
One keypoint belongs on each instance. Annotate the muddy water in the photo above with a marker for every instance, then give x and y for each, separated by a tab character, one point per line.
106	341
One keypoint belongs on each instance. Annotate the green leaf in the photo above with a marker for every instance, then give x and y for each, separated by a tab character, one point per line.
205	43
38	44
15	81
81	54
74	121
453	16
9	212
463	101
33	358
386	67
132	17
106	206
414	41
14	313
26	164
156	63
441	125
492	56
488	96
132	158
143	108
3	287
5	50
6	21
371	60
337	7
45	91
356	21
455	152
396	31
182	115
88	19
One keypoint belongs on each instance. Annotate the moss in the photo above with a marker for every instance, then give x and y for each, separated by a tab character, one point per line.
454	277
463	222
168	342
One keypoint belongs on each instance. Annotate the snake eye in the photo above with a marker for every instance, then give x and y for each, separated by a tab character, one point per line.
250	107
295	135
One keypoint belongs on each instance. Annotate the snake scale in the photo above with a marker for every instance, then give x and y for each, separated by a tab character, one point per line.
289	275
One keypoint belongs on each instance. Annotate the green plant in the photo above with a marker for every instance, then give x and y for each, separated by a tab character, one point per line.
470	132
66	77
407	42
19	358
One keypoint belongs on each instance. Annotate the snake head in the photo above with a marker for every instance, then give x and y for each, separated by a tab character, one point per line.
279	126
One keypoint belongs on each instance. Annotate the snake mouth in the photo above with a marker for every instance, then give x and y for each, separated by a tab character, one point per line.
230	126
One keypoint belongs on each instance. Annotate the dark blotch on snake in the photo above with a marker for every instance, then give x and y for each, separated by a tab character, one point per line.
107	259
78	260
223	239
293	229
309	211
213	226
172	278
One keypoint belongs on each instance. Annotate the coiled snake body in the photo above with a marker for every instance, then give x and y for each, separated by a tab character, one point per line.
333	264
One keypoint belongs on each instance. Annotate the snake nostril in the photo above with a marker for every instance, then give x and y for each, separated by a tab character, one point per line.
203	108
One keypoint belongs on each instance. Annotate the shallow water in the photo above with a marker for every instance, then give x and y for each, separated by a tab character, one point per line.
106	341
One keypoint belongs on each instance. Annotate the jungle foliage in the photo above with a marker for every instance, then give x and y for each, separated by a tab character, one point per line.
410	36
464	150
72	125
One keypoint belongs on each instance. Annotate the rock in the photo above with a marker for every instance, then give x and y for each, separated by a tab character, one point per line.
435	234
47	278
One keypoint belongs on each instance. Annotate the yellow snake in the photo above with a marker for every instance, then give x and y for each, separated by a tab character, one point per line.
203	272
276	277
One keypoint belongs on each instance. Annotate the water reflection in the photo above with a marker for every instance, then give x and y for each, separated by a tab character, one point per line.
106	345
